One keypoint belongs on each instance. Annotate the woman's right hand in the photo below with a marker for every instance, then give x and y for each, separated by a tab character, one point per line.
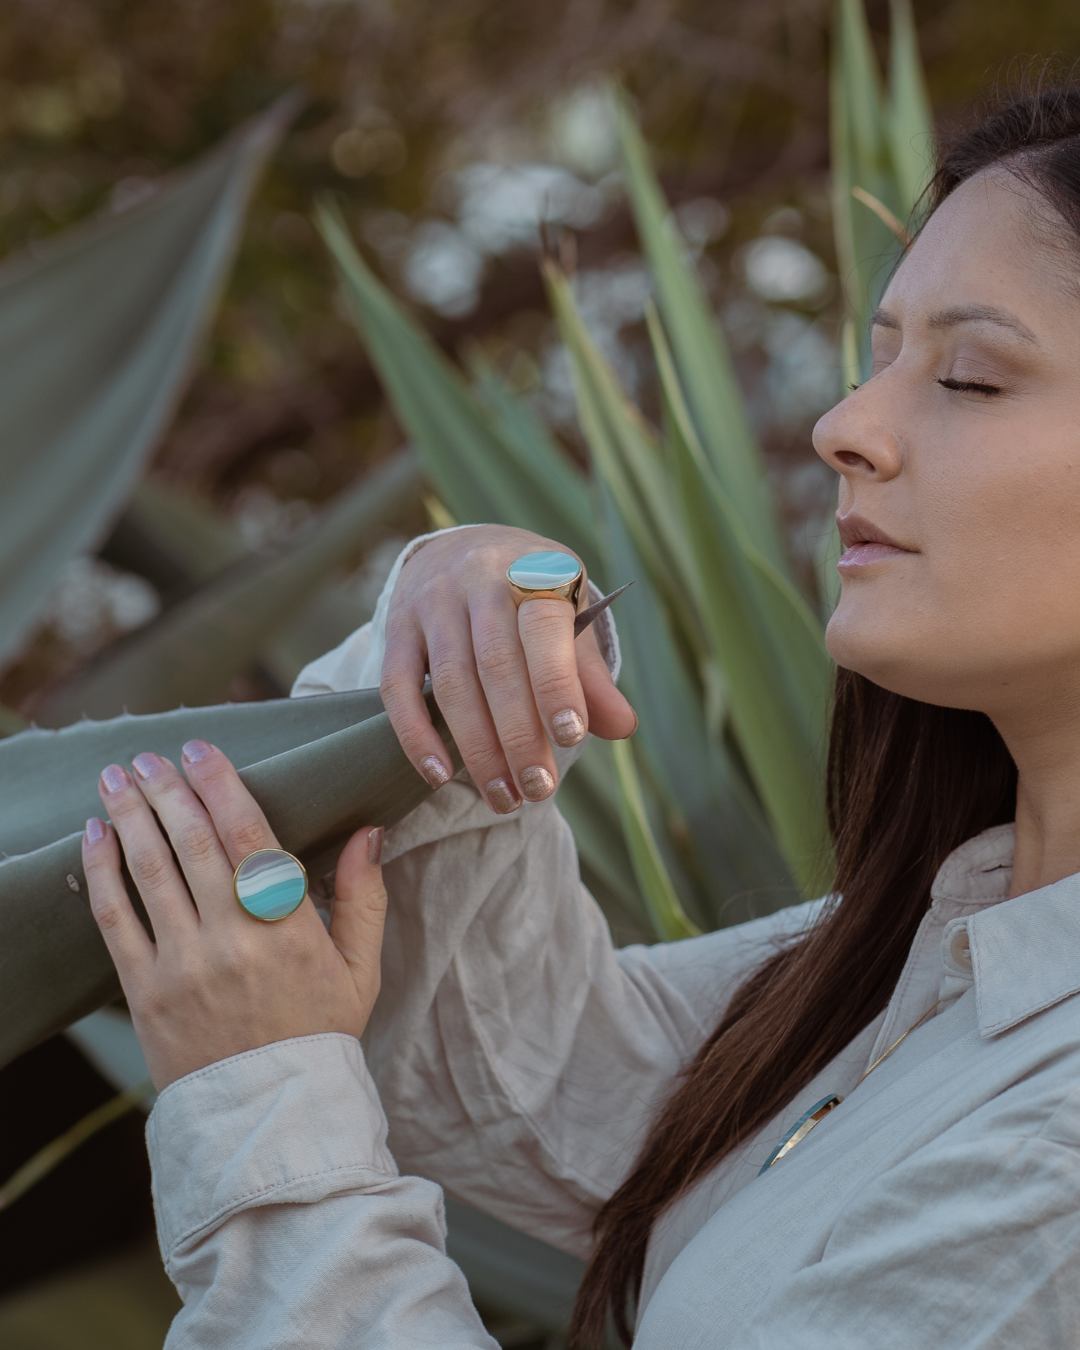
501	673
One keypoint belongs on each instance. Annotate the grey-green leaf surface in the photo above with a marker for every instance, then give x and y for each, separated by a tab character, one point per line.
320	766
98	329
191	651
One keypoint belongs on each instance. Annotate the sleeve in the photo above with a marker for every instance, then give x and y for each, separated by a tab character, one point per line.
518	1053
973	1244
514	1057
287	1224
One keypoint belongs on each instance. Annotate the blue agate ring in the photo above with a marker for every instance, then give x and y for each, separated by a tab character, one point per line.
270	884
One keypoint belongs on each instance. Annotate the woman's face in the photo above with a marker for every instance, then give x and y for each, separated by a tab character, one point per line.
985	488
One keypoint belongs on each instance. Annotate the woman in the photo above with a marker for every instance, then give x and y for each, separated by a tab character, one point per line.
630	1106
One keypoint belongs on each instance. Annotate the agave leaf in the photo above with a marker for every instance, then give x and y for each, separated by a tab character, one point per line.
111	313
908	118
717	843
174	537
661	899
862	162
701	354
320	766
191	651
625	454
774	662
785	616
479	471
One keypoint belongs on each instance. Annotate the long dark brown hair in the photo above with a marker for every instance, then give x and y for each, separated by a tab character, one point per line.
906	783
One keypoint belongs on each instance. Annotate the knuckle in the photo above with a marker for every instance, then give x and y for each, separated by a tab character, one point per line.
150	868
428	587
544	613
550	682
127	805
246	835
198	842
520	739
107	912
450	679
496	654
229	960
482	551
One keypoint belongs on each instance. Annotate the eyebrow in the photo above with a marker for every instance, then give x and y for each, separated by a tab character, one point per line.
947	318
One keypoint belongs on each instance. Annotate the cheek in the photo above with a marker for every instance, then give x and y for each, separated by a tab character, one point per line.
994	593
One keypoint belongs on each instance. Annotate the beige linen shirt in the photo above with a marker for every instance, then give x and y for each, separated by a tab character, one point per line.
515	1057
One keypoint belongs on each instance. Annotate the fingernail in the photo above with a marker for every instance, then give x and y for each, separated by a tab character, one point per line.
194	751
434	770
537	783
95	830
374	844
637	723
146	764
115	778
568	727
502	796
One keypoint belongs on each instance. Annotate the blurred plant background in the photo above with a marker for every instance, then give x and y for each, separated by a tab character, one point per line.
444	142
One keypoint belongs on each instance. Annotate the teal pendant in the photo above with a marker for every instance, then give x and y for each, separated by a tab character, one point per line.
801	1128
543	571
270	884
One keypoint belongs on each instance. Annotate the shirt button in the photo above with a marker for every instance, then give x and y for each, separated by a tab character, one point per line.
956	949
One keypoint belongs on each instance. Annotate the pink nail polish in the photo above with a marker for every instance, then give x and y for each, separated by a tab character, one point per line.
434	770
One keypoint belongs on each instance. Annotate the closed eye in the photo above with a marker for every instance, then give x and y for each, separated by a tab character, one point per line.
977	386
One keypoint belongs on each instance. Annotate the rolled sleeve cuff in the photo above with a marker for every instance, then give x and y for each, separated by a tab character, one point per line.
261	1127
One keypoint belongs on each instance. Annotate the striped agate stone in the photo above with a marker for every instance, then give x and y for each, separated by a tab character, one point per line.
270	883
544	570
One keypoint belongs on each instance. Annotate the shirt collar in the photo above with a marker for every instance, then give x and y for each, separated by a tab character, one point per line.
1023	953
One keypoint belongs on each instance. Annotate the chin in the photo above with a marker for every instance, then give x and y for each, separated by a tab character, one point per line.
875	652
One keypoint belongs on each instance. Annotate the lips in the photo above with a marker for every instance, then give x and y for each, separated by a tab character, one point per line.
855	529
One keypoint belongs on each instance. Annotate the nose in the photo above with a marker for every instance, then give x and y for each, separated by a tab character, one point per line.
855	437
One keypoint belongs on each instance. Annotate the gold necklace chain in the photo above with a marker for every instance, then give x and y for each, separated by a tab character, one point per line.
899	1039
810	1117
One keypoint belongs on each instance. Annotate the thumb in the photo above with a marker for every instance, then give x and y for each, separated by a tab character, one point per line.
358	915
611	715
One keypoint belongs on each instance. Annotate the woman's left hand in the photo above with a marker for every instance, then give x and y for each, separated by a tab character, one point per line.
215	980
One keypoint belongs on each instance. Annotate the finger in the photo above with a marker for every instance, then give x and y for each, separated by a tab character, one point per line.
128	942
238	818
611	715
403	671
505	676
546	630
149	858
460	694
188	826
